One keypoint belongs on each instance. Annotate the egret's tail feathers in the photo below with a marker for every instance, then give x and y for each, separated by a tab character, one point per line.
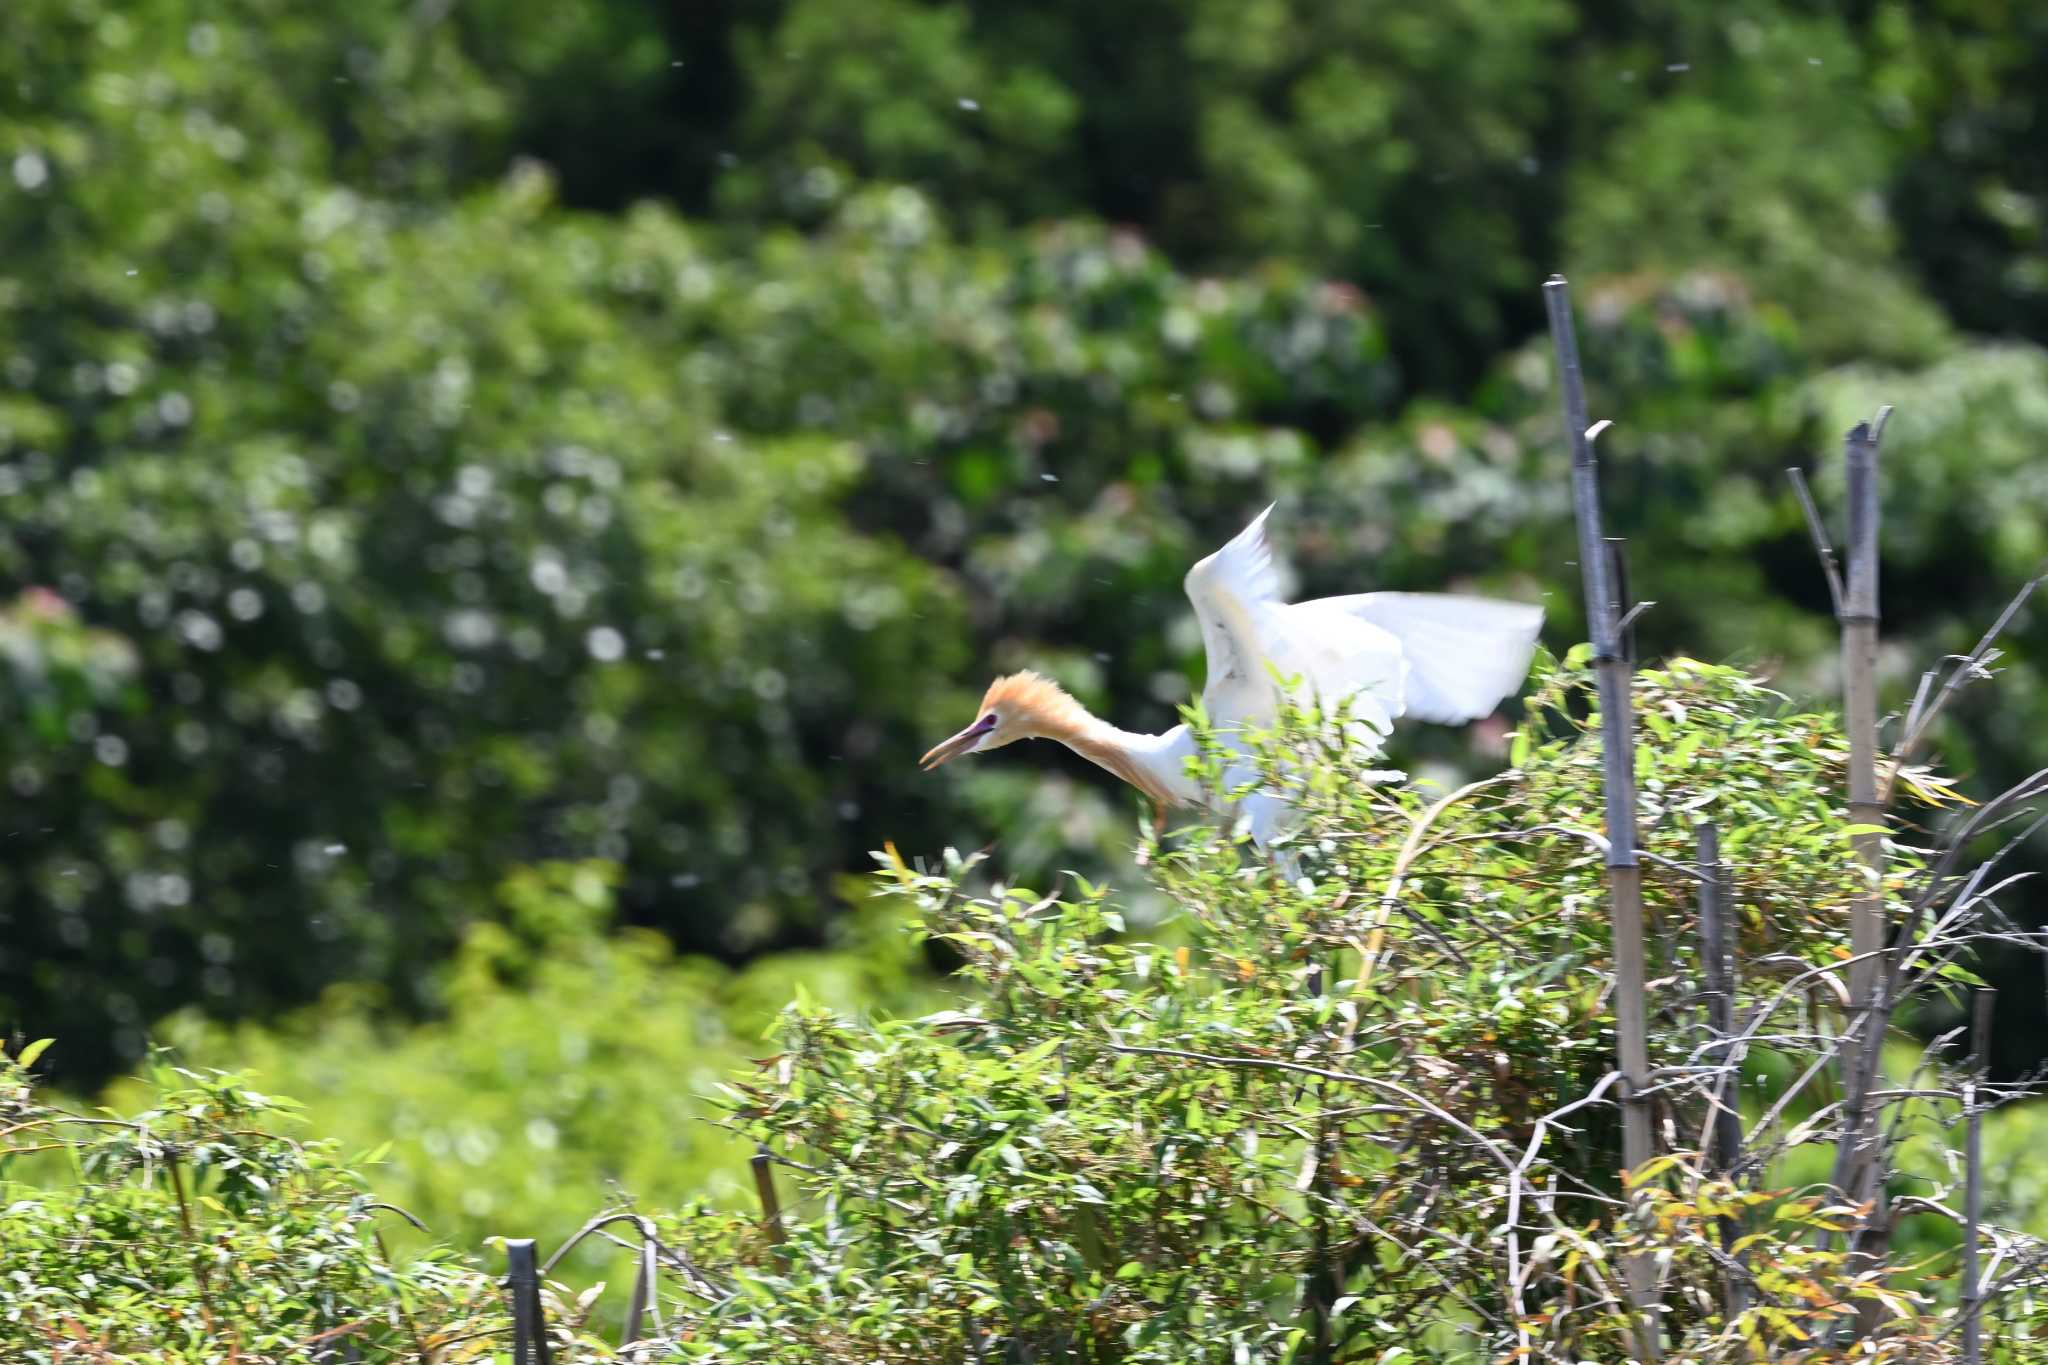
1464	655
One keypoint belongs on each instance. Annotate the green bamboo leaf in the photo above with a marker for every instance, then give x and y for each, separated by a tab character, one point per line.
1038	1052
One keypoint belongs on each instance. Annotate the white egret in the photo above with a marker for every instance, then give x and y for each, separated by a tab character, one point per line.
1385	655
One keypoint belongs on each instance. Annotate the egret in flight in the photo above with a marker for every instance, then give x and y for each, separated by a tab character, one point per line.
1376	656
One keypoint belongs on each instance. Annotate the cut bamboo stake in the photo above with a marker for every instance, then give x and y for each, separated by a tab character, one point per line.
529	1327
1859	1157
1726	1127
771	1207
1617	751
1723	1138
1972	1305
1859	705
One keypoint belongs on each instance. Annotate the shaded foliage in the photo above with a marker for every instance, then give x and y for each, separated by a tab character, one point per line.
441	512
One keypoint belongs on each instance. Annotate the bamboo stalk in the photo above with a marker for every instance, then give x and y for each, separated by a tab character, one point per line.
771	1206
1972	1305
1723	1136
1617	749
1725	1124
1859	705
529	1325
1859	1158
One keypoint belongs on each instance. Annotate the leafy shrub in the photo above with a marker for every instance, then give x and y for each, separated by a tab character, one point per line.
1364	1112
197	1231
1135	1152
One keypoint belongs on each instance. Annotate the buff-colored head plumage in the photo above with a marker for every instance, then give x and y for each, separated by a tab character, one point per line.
1031	705
1019	706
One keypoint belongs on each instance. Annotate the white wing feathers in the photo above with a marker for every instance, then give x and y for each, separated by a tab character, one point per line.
1250	635
1242	571
1435	657
1465	655
1233	591
1335	660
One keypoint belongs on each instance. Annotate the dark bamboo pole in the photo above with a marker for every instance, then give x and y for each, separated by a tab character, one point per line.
1715	935
1859	1157
1972	1305
529	1324
1723	1136
1617	748
1859	707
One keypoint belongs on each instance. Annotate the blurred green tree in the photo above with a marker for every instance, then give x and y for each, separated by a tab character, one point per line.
439	503
429	556
570	1061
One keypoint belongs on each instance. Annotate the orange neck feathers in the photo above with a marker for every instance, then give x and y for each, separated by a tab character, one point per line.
1041	709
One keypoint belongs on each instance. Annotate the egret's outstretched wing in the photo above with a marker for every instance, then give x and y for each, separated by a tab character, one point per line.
1252	637
1233	590
1465	655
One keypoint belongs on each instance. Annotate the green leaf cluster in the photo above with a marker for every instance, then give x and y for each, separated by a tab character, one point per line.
200	1230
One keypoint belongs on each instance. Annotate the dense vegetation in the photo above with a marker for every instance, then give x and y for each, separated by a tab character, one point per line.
1169	1146
566	1062
1129	1151
494	496
461	435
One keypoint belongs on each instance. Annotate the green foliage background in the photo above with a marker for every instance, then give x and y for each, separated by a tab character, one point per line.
441	441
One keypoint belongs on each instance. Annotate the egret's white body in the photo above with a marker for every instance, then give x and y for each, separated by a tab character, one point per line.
1379	656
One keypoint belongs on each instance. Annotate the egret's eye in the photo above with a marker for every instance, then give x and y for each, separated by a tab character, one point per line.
988	722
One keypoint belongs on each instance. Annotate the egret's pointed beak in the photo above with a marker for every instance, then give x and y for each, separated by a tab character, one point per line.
962	743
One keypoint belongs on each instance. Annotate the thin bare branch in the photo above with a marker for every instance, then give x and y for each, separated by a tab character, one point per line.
1819	532
1972	666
